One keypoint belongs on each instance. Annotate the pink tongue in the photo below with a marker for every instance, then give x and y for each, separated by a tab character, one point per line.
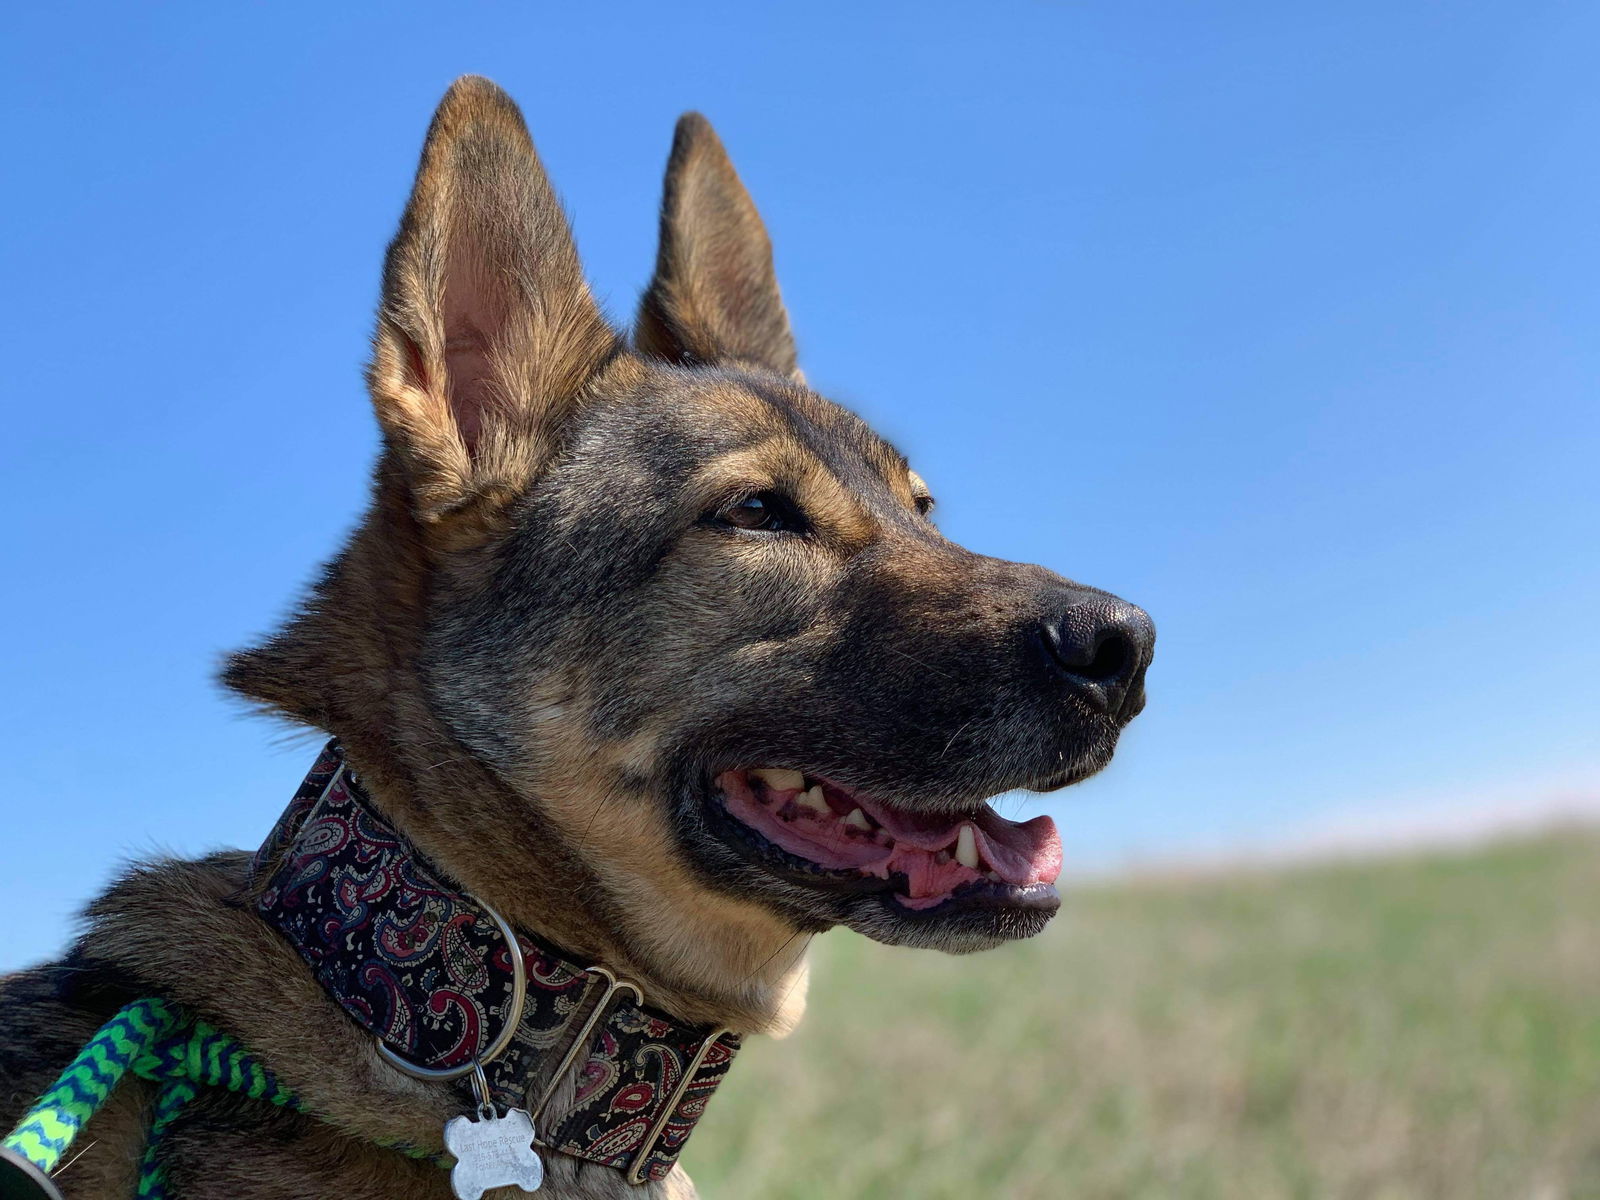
1020	852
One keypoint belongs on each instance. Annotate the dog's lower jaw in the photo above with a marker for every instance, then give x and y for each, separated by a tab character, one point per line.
959	883
881	924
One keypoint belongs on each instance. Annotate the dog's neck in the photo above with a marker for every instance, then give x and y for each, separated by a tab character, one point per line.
346	664
705	959
448	989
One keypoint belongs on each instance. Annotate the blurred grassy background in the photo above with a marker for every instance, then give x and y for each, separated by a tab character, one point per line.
1409	1027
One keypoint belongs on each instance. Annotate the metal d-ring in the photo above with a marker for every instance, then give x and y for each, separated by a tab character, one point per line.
519	994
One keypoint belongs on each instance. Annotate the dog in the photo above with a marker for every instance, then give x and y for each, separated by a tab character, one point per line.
645	664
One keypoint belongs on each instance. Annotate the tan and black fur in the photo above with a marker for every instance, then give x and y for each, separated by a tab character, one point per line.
543	640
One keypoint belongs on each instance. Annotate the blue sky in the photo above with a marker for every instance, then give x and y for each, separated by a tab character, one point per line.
1278	319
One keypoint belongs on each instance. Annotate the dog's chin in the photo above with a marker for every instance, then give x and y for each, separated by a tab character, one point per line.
961	925
960	879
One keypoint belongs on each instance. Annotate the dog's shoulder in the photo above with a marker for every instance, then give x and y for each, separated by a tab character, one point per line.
50	1012
47	1014
180	929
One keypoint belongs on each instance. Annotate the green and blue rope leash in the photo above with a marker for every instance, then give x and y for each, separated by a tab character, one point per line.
156	1041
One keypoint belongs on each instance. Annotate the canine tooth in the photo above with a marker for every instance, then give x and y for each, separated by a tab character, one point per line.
858	820
967	848
812	798
780	779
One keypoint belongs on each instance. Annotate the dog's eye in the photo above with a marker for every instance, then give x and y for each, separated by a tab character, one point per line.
765	511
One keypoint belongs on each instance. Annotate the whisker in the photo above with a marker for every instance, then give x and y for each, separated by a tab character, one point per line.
62	1169
763	964
920	663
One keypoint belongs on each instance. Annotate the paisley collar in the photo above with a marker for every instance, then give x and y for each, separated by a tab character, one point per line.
433	974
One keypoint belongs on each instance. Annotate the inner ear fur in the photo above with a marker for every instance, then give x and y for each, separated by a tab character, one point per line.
714	298
487	331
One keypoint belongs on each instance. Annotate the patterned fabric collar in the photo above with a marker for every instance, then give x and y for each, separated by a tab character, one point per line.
427	969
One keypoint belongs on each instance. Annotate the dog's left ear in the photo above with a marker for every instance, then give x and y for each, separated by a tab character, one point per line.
714	297
487	332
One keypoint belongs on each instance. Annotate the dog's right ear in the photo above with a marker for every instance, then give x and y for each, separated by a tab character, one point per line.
487	331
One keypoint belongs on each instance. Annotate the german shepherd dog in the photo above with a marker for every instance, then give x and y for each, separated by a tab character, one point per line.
643	643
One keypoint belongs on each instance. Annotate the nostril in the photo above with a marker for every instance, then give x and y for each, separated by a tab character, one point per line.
1097	657
1110	660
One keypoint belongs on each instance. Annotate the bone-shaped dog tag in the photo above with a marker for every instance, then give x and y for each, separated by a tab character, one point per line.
492	1152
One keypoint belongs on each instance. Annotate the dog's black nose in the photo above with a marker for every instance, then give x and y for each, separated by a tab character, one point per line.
1102	646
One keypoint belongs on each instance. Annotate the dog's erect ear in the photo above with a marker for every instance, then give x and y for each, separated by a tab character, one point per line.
487	330
714	297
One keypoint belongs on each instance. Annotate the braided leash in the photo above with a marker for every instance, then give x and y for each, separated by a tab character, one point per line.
156	1041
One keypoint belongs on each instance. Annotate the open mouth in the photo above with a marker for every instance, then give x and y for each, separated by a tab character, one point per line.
831	836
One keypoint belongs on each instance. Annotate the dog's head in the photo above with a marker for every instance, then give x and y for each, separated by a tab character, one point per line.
693	615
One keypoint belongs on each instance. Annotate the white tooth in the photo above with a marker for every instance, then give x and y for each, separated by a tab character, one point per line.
858	819
812	798
967	848
780	779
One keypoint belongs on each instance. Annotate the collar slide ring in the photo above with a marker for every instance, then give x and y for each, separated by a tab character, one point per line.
580	1041
641	1161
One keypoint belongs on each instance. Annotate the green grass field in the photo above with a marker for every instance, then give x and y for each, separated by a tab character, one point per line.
1416	1027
